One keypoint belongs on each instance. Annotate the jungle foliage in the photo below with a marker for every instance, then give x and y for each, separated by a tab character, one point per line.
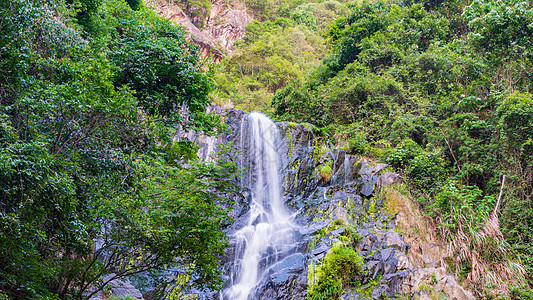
442	91
91	183
276	52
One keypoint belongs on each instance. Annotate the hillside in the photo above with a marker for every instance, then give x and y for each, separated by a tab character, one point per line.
396	160
438	90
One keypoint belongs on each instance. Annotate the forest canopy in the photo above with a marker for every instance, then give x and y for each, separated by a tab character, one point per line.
440	90
91	182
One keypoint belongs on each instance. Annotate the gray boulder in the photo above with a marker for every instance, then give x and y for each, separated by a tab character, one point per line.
394	240
368	174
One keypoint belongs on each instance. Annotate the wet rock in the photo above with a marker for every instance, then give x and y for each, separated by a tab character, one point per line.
344	168
285	279
297	135
338	155
322	249
314	227
325	244
368	174
292	264
300	178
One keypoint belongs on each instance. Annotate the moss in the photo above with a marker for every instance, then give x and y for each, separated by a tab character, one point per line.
352	234
326	172
372	207
320	149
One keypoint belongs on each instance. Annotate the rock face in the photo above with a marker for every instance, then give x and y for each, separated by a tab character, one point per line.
214	30
327	211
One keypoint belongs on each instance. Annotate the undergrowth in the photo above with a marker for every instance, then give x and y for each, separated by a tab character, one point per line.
339	270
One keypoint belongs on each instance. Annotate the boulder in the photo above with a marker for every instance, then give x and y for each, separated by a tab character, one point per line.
368	243
368	174
285	280
387	179
394	240
390	261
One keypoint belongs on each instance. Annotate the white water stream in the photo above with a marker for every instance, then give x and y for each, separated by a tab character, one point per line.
268	234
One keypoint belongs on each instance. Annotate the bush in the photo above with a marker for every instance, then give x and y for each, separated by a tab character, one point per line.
326	172
427	169
338	270
401	155
516	121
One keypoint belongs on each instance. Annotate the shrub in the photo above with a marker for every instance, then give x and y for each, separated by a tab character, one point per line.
340	266
326	172
402	154
427	169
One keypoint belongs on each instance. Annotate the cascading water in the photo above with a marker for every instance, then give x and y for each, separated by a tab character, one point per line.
268	233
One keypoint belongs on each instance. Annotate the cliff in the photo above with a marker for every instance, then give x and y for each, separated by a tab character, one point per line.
214	26
359	235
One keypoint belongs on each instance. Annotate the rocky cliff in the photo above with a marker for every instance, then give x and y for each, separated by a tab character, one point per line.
344	202
214	27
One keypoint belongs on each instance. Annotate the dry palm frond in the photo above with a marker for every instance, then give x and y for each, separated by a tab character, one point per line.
493	269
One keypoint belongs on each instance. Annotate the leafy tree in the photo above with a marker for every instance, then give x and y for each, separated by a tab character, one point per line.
500	26
90	183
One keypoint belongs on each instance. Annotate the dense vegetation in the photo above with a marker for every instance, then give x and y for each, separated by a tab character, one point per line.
441	91
276	52
91	91
91	182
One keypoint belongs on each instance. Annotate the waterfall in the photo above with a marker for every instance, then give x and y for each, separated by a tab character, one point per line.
267	236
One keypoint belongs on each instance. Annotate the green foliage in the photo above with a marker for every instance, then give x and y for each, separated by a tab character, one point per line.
355	137
441	94
338	270
402	154
516	121
134	4
153	58
326	172
500	26
86	155
466	200
274	53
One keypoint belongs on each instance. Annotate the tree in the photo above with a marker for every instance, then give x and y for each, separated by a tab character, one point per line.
90	183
